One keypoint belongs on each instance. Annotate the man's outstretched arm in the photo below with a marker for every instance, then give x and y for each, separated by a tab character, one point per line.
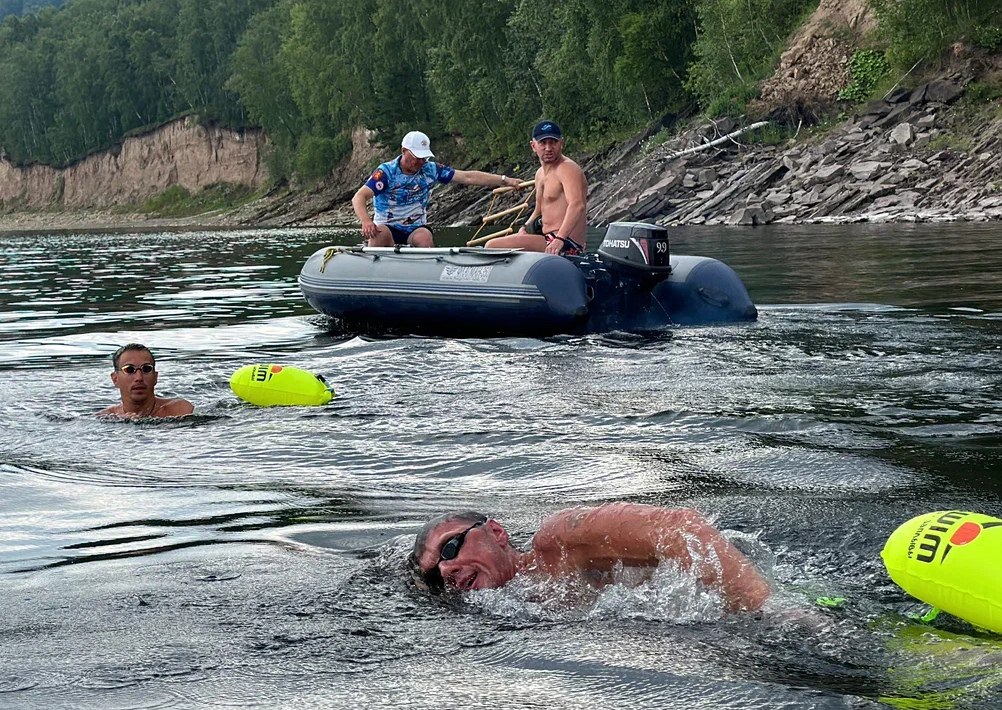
580	539
478	177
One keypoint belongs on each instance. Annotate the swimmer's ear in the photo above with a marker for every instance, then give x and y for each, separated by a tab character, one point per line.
498	531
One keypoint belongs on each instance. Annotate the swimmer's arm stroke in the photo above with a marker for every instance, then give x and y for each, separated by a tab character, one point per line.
642	536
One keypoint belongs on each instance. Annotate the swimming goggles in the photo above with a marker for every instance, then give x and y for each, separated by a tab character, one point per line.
450	551
132	369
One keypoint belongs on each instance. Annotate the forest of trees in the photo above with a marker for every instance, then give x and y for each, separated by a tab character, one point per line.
22	7
80	78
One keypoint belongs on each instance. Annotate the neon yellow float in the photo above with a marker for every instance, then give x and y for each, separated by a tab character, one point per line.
952	560
279	385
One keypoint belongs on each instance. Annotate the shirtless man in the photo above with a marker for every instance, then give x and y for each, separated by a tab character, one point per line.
561	189
135	375
471	551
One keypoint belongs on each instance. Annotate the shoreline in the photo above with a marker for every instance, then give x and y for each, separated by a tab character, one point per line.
260	214
96	221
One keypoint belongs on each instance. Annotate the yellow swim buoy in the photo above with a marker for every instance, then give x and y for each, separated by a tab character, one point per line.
279	385
952	560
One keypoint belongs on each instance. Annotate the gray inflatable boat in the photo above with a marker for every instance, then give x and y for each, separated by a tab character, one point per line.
632	283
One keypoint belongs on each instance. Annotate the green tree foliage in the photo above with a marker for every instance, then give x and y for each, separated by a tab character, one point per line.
26	7
657	49
483	70
738	44
78	79
259	80
207	35
324	56
471	76
401	50
866	68
26	96
146	32
309	72
315	155
604	67
327	57
922	30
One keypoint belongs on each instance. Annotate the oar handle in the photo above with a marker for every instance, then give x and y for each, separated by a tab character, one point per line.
521	185
487	237
503	213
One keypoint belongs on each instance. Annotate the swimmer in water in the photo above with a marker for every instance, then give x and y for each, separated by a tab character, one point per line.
469	550
135	374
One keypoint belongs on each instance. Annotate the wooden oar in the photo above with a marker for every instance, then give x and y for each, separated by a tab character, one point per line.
488	218
487	237
506	188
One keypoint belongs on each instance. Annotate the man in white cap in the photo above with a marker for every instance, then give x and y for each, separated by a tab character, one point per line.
401	188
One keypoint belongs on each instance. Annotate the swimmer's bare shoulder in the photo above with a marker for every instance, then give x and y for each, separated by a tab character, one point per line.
176	408
165	407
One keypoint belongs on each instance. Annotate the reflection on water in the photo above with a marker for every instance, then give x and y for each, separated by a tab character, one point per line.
941	268
257	556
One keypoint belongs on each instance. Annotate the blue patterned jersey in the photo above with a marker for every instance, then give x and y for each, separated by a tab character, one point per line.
401	200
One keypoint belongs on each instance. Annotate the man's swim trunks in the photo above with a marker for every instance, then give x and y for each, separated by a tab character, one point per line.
570	247
402	234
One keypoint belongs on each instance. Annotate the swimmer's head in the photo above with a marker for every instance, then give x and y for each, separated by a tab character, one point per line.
117	355
430	577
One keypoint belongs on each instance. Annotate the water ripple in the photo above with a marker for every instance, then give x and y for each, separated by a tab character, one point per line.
257	557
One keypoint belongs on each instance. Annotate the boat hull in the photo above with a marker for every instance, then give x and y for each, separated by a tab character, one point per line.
477	292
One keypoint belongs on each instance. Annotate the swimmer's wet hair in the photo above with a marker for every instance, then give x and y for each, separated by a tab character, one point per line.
432	579
117	355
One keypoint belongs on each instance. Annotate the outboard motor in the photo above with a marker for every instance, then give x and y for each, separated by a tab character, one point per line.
631	261
637	251
634	284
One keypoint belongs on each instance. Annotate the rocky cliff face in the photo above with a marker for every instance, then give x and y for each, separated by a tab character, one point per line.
179	153
913	156
812	70
920	153
326	203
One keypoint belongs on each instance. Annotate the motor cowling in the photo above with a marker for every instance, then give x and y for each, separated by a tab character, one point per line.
638	250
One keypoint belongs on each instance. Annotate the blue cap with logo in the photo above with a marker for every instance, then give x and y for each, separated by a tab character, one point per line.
546	129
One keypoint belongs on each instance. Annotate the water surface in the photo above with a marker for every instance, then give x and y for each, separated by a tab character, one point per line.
256	557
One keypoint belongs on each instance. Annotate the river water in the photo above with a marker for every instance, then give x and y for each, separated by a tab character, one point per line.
256	557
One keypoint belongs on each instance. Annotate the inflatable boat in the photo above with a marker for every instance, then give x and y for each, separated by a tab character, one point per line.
633	283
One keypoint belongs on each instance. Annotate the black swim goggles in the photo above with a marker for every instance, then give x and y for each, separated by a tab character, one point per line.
450	551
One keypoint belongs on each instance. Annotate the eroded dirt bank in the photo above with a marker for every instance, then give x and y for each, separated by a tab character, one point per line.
927	150
182	152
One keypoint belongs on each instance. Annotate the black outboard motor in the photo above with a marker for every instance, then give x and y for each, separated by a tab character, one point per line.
636	251
631	261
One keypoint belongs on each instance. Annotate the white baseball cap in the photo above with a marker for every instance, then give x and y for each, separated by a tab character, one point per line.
418	143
